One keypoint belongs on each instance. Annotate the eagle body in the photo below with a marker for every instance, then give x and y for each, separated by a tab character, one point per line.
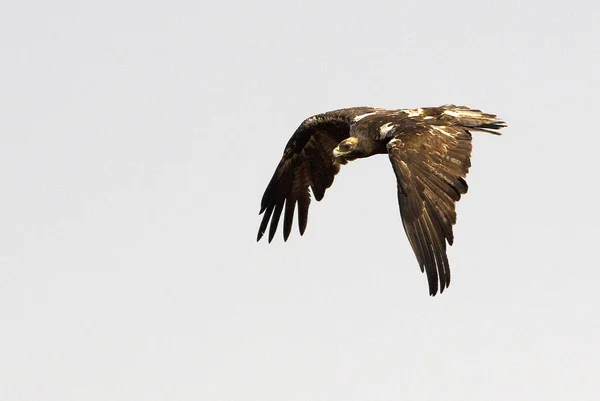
429	149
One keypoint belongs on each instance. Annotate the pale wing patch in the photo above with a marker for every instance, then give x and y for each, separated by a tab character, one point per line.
460	112
441	130
358	118
451	113
385	129
404	168
391	143
452	160
413	112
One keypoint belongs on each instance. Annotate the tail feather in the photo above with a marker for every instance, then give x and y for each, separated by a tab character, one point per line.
474	119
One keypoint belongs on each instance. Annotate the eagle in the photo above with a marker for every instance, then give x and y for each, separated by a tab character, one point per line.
429	148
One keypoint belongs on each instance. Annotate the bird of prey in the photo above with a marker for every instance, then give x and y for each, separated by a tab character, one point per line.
429	149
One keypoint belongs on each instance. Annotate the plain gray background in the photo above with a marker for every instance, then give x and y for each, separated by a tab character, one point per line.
137	139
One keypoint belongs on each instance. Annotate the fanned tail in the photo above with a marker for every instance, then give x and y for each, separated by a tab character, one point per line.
472	119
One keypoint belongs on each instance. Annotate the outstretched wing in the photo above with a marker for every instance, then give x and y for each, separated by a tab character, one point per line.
431	162
307	162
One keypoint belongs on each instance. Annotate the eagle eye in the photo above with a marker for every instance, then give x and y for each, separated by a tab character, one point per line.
345	146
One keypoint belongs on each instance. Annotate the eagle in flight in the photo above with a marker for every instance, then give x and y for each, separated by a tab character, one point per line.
429	149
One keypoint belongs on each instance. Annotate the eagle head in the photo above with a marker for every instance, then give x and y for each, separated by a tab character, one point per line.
345	147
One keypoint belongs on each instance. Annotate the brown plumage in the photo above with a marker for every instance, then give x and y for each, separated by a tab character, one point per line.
429	149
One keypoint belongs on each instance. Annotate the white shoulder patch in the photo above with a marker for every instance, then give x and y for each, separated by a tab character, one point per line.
385	128
358	118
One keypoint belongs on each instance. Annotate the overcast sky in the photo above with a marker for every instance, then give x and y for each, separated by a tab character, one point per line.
136	139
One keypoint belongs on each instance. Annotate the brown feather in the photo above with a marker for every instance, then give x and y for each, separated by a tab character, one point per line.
307	162
430	183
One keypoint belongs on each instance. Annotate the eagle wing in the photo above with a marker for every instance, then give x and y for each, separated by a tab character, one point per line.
307	162
430	163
